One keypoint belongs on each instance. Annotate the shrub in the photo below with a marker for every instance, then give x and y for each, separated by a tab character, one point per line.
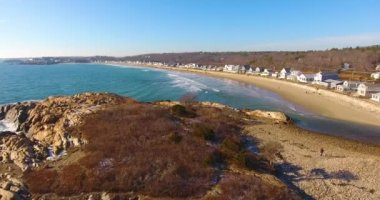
215	159
247	160
232	144
204	132
181	111
175	137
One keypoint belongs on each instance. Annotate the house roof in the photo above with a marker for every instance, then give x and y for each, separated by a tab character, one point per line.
332	81
307	75
287	69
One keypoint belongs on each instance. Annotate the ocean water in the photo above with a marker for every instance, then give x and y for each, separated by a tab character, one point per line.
35	82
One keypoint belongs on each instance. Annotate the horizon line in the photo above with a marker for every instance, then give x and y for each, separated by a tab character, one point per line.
183	52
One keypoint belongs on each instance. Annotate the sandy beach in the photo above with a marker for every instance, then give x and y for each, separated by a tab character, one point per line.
307	97
346	170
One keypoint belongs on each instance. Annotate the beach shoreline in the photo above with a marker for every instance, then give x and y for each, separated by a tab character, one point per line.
346	169
326	103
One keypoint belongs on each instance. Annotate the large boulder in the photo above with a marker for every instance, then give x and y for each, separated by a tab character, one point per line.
276	116
18	149
11	188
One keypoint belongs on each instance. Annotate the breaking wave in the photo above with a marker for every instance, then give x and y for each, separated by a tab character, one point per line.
188	84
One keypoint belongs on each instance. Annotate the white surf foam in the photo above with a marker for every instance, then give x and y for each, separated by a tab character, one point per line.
187	84
7	126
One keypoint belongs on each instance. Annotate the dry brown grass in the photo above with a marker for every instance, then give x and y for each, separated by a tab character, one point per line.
238	186
150	150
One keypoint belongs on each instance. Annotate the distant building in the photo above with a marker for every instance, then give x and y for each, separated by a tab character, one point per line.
377	67
376	97
368	89
266	72
375	75
284	73
346	66
322	76
231	68
274	74
258	70
244	69
250	70
333	83
305	78
293	75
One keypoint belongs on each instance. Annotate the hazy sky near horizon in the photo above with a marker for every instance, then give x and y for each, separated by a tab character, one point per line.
128	27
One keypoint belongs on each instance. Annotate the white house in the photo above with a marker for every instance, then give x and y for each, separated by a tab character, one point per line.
375	75
275	74
266	72
293	75
346	66
368	89
341	88
376	97
322	76
258	70
333	83
351	85
305	78
284	73
250	71
231	68
378	67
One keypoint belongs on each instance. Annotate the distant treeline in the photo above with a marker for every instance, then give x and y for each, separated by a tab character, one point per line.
359	59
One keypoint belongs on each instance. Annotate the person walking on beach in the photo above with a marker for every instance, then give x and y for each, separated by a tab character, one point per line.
322	151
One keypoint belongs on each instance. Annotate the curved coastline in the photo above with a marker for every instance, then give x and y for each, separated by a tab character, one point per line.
323	102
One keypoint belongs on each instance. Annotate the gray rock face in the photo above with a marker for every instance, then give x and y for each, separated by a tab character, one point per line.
11	188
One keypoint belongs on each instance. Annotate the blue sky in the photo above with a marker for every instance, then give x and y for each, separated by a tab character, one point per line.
128	27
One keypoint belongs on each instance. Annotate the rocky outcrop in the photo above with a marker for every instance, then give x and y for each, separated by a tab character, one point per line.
18	149
48	124
11	188
17	114
278	117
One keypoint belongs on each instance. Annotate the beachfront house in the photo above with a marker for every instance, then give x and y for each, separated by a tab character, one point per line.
231	68
258	70
275	74
293	75
368	89
305	78
333	84
351	85
320	77
341	88
376	97
244	69
219	69
266	72
375	75
284	73
250	70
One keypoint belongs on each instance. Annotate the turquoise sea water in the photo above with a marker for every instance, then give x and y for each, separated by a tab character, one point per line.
34	82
